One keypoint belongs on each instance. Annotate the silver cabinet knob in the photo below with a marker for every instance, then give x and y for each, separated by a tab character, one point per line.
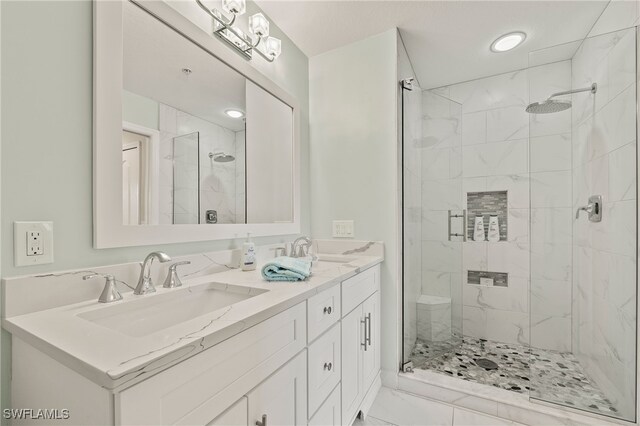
327	310
328	366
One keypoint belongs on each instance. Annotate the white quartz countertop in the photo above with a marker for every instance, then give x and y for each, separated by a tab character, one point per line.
116	360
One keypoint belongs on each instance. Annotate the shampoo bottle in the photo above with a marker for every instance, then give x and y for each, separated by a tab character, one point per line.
494	229
248	262
478	229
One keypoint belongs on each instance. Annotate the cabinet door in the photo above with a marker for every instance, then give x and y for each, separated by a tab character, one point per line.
283	396
236	415
371	356
352	338
329	412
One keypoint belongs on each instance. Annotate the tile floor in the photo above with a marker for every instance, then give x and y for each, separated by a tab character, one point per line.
393	407
552	376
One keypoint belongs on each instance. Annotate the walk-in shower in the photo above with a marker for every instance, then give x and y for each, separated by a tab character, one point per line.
547	306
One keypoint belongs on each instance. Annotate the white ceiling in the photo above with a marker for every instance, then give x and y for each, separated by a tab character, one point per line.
447	41
154	56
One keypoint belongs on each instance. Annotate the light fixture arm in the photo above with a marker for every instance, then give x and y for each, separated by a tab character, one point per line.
226	26
245	46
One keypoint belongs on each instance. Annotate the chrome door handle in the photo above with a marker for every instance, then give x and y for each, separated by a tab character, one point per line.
364	344
464	225
328	366
263	422
327	310
368	329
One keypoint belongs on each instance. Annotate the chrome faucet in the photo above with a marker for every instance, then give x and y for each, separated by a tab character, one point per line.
300	247
145	285
110	293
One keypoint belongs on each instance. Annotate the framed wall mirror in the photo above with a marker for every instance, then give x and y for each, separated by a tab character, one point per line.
191	142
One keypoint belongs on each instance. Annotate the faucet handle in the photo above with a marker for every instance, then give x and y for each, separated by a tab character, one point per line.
173	280
279	251
110	293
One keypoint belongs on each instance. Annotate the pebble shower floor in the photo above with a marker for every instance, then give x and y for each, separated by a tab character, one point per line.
556	375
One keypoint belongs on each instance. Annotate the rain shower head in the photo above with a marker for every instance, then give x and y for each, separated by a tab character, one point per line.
221	157
551	105
548	106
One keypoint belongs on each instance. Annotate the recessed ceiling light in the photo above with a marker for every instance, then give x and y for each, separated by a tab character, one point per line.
508	41
234	113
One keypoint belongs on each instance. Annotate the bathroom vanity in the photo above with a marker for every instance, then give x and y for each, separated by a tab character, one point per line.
226	348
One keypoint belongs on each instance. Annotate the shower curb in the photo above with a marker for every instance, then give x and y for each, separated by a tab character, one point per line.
496	402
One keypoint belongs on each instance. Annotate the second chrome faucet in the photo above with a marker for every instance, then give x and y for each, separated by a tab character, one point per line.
145	284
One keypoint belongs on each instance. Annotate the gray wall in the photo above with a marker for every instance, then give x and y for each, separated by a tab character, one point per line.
47	72
46	60
354	157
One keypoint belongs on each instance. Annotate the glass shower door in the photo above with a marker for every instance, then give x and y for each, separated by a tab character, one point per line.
583	164
433	225
186	179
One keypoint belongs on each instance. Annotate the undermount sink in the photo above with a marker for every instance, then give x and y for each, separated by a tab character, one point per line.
153	313
336	258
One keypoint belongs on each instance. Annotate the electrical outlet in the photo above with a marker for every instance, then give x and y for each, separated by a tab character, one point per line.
32	243
343	229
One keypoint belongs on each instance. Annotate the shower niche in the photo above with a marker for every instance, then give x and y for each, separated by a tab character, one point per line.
486	205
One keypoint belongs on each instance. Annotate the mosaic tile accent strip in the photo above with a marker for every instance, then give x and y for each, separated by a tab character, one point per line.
486	204
548	375
500	279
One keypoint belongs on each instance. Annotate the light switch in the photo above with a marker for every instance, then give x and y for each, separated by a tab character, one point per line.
32	243
343	229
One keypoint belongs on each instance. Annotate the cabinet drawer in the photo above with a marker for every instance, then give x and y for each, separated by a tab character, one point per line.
329	413
323	367
199	389
357	289
323	310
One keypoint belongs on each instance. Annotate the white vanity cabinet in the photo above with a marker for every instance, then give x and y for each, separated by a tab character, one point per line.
313	363
360	340
280	399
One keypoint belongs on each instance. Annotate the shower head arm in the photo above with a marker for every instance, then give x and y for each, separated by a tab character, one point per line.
593	89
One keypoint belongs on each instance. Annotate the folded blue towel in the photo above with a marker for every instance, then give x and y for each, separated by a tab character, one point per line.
286	268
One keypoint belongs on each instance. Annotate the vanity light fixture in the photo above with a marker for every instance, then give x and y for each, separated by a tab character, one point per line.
234	113
223	27
508	41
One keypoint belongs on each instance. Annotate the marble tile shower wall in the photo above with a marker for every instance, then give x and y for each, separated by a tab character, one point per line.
184	208
441	150
218	181
486	148
412	169
604	163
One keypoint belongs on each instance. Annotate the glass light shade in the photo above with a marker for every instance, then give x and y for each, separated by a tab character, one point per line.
508	42
259	25
273	47
237	7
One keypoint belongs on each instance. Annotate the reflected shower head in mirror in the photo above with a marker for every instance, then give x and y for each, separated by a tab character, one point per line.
551	105
221	157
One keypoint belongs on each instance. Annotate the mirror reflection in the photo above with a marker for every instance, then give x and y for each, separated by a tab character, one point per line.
186	158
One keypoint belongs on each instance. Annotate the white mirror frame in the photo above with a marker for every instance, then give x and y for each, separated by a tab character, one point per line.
108	229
